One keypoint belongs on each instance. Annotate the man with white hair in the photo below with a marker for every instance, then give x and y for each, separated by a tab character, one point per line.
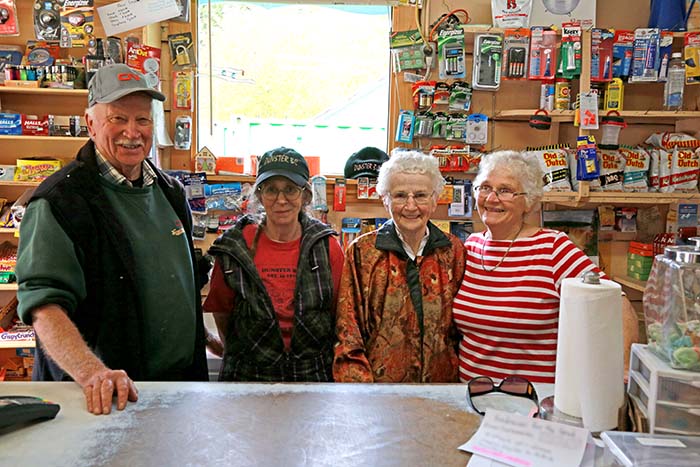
106	265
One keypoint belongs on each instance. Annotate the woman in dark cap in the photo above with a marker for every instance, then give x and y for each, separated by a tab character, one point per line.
275	278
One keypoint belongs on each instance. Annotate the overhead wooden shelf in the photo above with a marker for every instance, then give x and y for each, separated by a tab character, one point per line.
568	115
43	91
82	139
11	286
574	198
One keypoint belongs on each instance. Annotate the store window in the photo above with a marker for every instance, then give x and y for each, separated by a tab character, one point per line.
314	77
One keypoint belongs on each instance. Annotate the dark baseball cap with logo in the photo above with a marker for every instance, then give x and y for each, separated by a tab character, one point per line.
283	162
112	82
365	163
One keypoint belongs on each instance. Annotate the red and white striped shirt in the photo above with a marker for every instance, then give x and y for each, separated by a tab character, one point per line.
509	317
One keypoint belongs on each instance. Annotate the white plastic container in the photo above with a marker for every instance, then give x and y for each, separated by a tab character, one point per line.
668	398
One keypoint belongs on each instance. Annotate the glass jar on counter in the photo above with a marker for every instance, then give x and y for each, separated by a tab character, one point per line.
672	306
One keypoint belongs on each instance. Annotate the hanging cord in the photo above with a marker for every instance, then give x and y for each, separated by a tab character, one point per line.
450	16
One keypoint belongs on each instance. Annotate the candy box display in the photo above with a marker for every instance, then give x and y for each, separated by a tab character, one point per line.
672	306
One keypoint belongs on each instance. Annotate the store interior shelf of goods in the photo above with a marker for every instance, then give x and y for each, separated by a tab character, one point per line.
630	282
487	28
568	115
43	91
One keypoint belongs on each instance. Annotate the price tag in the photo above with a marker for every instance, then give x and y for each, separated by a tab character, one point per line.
589	111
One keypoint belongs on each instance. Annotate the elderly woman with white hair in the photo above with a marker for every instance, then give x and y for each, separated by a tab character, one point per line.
507	308
394	312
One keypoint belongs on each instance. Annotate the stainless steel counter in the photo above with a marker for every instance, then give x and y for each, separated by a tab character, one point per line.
228	424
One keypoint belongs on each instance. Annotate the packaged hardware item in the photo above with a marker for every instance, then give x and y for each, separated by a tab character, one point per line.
602	54
77	23
9	24
488	52
691	53
516	43
543	53
511	13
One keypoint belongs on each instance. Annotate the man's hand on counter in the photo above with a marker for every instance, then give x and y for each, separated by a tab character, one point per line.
100	389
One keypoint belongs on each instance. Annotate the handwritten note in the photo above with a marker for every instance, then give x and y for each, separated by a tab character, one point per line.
130	14
522	441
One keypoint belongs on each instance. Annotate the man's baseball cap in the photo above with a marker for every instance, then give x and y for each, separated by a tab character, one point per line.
365	163
112	82
283	162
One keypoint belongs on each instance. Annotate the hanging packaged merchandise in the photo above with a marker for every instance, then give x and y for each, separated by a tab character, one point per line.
424	124
645	56
587	165
488	54
183	85
611	124
407	50
349	230
516	43
77	23
442	93
602	54
451	53
547	96
47	20
691	53
665	46
440	125
423	93
404	129
543	53
318	193
457	127
570	52
477	129
183	132
614	95
623	48
511	13
460	96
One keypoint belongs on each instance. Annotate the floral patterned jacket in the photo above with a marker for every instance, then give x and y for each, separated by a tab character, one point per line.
394	314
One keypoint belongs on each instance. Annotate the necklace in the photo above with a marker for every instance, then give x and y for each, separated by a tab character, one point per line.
483	266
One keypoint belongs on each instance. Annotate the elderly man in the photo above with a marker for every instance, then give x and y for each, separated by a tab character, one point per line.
106	265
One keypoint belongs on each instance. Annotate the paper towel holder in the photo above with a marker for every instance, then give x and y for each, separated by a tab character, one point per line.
591	277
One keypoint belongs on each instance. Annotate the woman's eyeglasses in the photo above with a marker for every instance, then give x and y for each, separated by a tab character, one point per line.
270	192
511	385
503	194
421	198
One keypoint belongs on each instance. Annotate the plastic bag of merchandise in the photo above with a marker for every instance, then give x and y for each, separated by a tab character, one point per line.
636	172
612	168
555	166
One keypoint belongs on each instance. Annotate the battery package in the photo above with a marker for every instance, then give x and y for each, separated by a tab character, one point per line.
488	53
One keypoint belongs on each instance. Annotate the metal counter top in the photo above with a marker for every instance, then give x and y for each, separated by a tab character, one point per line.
241	424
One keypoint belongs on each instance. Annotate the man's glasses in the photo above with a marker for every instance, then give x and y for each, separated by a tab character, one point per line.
503	194
481	386
270	192
421	198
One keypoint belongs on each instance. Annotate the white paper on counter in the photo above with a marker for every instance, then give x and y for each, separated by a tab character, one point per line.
480	461
126	15
527	442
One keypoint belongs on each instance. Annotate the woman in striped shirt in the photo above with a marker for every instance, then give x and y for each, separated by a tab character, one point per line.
507	308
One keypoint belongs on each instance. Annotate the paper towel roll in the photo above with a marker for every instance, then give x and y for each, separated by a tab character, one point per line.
590	369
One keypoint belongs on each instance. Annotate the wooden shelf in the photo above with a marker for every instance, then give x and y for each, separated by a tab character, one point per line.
16	184
630	282
17	344
82	139
568	115
8	230
43	91
8	287
573	198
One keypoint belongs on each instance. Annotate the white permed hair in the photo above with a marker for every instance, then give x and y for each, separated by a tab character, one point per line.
523	167
410	162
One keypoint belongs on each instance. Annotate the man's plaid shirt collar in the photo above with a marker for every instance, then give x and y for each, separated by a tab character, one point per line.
108	171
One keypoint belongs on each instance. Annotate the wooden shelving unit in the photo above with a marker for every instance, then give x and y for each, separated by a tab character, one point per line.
43	91
630	282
